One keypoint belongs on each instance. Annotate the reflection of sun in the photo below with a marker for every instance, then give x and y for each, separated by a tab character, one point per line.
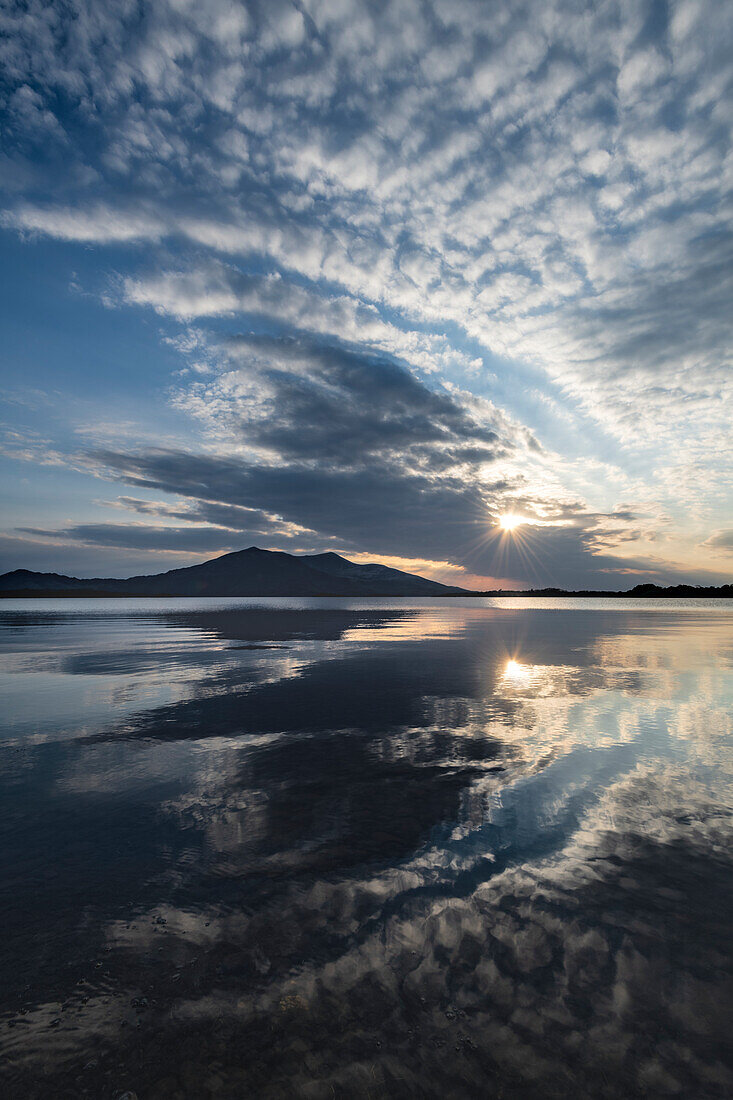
515	672
509	521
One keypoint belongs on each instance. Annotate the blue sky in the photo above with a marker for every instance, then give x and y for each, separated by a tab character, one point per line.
367	277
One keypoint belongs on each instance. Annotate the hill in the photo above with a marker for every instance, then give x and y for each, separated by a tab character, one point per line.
251	572
256	572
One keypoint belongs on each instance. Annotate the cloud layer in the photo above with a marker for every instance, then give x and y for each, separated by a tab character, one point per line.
398	244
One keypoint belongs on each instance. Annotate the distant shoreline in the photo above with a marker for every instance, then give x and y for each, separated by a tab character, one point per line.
724	592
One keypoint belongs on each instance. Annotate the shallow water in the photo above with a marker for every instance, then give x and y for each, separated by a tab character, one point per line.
364	848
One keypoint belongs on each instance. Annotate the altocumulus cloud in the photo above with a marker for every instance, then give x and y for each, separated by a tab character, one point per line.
377	228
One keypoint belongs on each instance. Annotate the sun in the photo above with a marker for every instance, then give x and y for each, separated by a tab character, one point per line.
509	522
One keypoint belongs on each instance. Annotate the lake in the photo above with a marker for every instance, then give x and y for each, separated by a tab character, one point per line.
366	848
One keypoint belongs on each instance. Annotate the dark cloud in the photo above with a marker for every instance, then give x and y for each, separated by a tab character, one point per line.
399	511
203	511
384	511
138	536
677	315
351	451
721	540
315	403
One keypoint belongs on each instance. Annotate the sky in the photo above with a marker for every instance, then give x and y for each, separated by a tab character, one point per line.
368	277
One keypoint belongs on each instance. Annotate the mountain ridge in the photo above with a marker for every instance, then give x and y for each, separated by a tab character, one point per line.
257	572
249	572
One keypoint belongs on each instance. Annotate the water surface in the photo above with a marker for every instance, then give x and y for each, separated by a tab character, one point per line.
366	848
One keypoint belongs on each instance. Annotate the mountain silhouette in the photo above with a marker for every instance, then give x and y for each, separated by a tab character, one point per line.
255	572
251	572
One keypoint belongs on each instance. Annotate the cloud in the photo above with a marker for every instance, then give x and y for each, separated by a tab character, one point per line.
351	446
99	225
721	540
138	536
494	197
311	402
385	511
314	445
216	289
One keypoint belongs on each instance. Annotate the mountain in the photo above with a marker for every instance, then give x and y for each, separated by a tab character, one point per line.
256	572
251	572
379	578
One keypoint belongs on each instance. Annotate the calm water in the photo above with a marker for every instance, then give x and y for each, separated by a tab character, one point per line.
332	848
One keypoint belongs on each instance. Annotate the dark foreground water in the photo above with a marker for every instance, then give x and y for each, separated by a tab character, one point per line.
350	849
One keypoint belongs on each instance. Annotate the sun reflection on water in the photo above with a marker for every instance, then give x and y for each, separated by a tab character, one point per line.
516	673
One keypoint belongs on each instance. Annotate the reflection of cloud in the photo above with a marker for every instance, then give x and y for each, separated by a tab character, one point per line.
704	725
694	641
423	872
559	969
